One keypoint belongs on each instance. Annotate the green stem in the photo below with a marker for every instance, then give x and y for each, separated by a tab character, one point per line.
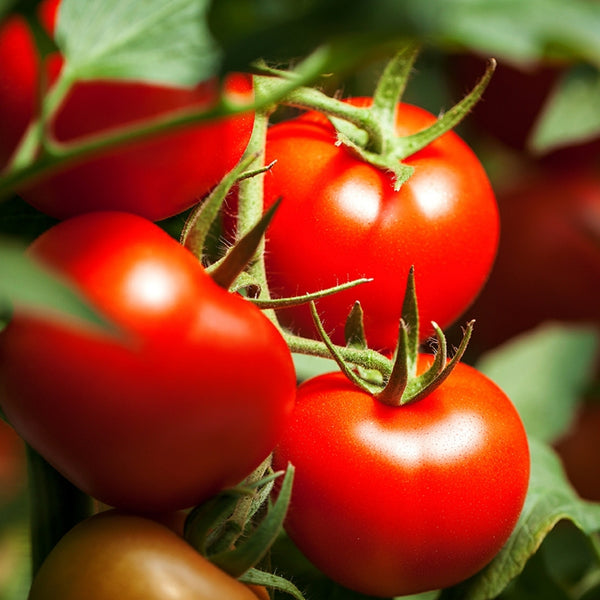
368	359
56	506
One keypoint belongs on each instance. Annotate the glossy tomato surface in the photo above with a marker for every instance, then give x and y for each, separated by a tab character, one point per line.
391	501
188	397
340	219
156	178
113	555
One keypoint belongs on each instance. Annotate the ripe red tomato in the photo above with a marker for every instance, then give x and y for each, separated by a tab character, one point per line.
113	555
391	501
579	450
13	465
340	219
156	178
548	263
188	399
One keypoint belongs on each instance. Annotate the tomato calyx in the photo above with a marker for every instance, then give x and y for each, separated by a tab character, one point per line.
401	385
234	530
369	130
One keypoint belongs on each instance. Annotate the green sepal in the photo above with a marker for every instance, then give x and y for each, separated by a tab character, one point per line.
278	303
199	223
258	577
225	271
205	521
256	543
408	145
439	370
354	329
336	354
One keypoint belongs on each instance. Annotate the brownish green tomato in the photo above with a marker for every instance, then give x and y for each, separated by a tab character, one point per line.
114	555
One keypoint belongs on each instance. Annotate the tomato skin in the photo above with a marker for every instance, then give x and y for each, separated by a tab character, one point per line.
392	501
116	555
13	464
340	219
155	178
189	400
548	263
579	451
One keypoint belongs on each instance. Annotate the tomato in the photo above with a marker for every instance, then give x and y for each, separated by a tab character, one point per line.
340	219
579	451
548	263
389	501
155	178
13	466
187	397
114	555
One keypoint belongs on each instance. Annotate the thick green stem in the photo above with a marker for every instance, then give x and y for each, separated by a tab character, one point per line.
56	506
251	200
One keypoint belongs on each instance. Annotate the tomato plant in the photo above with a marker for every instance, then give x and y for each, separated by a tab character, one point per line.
187	396
548	262
155	178
392	500
116	555
341	219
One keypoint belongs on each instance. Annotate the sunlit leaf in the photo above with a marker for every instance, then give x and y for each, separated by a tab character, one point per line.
550	499
570	115
31	287
153	40
544	373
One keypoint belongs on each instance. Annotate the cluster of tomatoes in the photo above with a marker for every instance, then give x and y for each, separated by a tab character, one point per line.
191	387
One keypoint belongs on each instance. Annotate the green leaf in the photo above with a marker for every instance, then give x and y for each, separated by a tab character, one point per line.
34	288
544	373
570	115
550	499
5	5
522	31
519	31
154	40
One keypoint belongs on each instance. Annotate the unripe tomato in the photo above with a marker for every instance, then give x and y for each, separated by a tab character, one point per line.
119	556
155	178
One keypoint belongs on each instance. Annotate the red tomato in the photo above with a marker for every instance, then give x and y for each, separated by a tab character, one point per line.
113	555
13	465
548	263
156	178
188	400
391	501
579	450
340	219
